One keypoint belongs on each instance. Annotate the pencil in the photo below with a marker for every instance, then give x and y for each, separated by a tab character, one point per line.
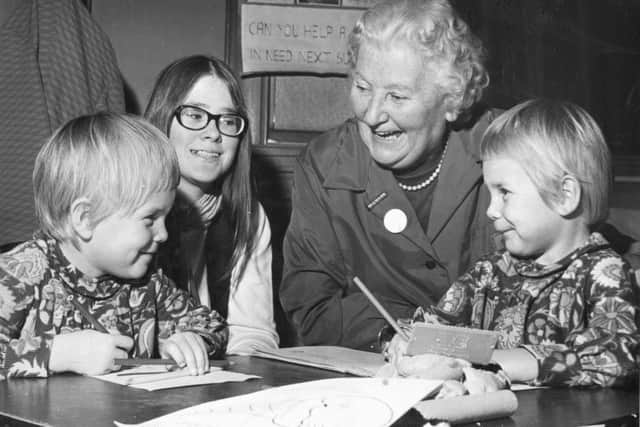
155	377
167	362
142	374
142	361
85	313
380	308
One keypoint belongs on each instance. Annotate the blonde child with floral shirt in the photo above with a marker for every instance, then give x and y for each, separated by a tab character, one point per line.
83	292
560	298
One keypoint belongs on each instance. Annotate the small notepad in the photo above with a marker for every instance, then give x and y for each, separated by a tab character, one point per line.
474	345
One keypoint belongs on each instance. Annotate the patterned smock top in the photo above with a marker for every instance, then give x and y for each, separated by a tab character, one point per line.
42	295
577	317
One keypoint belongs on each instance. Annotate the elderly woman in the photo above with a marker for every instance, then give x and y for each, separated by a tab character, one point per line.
393	196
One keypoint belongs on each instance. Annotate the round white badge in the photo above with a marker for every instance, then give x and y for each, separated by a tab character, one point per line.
395	221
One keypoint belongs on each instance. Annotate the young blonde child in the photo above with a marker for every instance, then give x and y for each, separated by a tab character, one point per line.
560	298
83	292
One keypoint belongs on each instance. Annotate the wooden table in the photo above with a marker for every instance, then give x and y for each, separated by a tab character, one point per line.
71	400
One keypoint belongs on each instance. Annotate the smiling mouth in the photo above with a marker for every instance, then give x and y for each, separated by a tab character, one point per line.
207	155
390	136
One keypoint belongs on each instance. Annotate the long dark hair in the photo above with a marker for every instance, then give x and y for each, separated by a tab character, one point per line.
238	190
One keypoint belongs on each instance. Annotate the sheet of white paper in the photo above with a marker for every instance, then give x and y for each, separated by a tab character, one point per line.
358	402
157	377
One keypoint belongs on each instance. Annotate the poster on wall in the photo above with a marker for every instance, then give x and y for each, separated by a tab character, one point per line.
294	39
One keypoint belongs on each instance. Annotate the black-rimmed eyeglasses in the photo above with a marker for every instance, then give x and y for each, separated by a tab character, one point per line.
196	118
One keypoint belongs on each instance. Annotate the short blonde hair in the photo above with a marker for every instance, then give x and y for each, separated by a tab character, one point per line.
551	139
436	32
116	161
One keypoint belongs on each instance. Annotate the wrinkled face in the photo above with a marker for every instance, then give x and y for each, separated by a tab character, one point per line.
124	245
530	227
204	155
401	110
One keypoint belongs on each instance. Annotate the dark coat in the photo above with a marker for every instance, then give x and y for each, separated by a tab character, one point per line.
340	198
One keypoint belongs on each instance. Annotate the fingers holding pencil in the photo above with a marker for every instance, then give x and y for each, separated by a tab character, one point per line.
187	349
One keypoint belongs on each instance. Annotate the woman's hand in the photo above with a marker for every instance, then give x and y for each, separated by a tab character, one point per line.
187	349
88	352
431	366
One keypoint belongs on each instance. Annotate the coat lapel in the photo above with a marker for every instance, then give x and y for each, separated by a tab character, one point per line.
461	170
353	169
382	181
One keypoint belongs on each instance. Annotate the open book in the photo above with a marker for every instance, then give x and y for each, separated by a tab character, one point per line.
333	358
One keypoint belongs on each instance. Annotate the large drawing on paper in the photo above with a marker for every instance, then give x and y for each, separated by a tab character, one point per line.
364	402
291	411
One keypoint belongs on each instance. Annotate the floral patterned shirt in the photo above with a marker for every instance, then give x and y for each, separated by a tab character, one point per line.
42	295
577	317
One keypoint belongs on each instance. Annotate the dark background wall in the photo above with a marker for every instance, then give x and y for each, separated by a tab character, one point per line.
587	51
148	34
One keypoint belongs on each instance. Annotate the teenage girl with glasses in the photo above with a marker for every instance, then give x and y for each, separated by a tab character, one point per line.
219	236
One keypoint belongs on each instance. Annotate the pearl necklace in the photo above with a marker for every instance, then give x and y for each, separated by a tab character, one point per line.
427	181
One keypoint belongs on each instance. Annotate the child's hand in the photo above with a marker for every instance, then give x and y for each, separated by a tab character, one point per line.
187	349
395	349
393	345
87	352
451	388
481	381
